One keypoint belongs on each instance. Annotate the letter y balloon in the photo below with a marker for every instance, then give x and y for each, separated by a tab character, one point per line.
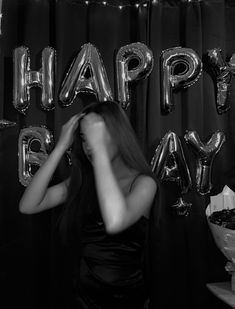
205	154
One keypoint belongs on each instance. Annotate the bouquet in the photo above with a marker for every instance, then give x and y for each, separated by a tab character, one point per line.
221	220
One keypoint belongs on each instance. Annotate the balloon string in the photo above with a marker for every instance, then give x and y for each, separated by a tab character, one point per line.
88	13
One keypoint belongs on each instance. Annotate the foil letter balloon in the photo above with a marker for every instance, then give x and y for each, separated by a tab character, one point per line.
169	164
205	154
125	74
222	73
77	80
181	207
6	124
180	68
28	158
24	78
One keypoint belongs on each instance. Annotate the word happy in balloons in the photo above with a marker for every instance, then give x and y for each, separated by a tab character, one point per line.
89	58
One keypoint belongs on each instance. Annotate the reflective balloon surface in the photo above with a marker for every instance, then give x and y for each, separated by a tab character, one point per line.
24	78
169	162
205	155
180	68
222	73
86	74
29	158
6	124
140	54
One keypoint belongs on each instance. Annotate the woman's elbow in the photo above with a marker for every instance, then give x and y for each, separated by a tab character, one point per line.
25	209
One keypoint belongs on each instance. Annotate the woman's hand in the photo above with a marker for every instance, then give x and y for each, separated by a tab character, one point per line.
95	131
67	131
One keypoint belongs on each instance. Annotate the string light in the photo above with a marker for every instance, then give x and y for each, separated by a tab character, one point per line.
116	3
143	3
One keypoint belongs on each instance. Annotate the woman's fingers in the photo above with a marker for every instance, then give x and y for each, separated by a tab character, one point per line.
74	120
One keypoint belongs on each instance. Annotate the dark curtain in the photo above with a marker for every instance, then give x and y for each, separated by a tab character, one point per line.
184	256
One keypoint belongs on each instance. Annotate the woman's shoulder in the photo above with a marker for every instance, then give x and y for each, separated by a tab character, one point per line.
143	180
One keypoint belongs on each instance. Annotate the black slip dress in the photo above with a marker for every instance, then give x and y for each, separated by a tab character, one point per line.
111	271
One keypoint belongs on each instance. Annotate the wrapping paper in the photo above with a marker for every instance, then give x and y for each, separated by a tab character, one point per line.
224	237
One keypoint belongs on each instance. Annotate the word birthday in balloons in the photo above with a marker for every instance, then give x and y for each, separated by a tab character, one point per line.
168	162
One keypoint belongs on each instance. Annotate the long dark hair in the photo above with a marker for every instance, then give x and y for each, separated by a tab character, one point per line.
82	183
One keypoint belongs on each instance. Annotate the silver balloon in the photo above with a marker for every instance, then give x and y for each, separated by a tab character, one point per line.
205	154
77	81
169	163
222	72
48	78
28	157
181	207
144	57
6	124
180	68
24	78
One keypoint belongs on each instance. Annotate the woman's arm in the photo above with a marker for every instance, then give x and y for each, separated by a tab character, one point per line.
120	212
37	196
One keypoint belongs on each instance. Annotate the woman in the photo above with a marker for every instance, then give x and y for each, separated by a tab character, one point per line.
107	199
